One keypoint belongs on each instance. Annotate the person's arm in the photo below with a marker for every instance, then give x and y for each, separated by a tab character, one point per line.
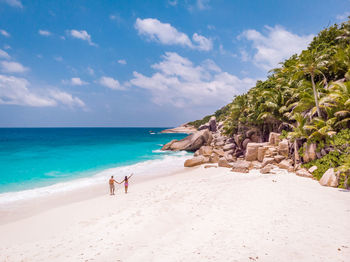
131	175
116	181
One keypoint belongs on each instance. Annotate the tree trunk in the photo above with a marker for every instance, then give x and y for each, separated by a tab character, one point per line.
315	95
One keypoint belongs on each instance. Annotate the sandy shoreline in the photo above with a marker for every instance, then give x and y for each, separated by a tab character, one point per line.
196	215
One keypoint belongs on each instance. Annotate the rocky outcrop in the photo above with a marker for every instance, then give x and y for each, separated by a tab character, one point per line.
283	148
195	161
309	153
191	142
312	169
241	166
255	151
205	150
241	154
303	172
185	128
212	124
274	138
285	164
267	169
224	163
329	178
268	160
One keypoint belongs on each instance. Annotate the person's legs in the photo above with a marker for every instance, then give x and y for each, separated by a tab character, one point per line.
110	189
126	189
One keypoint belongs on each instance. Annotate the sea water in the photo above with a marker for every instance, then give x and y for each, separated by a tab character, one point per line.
36	161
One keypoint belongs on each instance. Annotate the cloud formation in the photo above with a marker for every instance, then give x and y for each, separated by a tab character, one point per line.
83	35
44	32
14	3
122	61
12	67
4	55
75	81
180	83
4	33
166	34
15	91
110	83
273	47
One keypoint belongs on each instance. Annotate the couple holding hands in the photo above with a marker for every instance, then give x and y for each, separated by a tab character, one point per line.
112	181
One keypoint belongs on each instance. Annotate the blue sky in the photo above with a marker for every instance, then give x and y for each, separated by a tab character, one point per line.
143	63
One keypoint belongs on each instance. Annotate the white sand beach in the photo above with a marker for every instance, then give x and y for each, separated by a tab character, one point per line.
197	215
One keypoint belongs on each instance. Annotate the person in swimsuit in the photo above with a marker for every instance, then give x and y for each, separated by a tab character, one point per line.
111	185
126	183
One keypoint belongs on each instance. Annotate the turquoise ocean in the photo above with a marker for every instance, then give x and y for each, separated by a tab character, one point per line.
39	161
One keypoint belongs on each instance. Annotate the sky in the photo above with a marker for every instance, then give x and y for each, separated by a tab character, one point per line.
132	63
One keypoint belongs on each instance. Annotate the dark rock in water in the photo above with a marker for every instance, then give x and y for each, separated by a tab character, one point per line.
191	142
168	145
212	124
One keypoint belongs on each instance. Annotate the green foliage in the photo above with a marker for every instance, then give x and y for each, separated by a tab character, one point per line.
333	159
198	123
339	158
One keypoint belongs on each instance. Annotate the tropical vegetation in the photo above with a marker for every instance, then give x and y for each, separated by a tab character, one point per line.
307	98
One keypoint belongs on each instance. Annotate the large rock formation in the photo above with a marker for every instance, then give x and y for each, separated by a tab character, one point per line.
252	151
212	124
283	148
195	161
329	178
205	150
191	142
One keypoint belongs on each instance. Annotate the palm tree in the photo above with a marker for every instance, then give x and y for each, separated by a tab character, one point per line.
312	64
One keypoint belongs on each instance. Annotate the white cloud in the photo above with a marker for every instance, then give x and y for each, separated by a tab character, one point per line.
178	82
14	3
83	35
204	43
58	58
211	27
7	47
122	61
13	67
90	71
110	83
15	91
44	32
278	44
116	17
343	16
166	34
172	2
203	4
4	33
4	55
75	81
